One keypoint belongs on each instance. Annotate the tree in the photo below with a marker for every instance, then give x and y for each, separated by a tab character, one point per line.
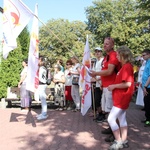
144	7
119	20
12	66
62	39
10	70
24	39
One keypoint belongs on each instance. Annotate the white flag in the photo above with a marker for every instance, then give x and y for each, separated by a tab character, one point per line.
32	74
85	80
15	17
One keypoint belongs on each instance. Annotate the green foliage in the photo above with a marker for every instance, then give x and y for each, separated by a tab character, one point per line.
12	66
24	39
127	21
62	39
10	70
144	10
118	19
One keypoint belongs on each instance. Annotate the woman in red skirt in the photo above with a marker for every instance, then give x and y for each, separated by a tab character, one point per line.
68	84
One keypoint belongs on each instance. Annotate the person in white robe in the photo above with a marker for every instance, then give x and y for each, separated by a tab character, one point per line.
140	96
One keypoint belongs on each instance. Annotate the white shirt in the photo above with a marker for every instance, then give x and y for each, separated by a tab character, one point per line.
74	69
98	67
68	77
24	71
58	75
141	72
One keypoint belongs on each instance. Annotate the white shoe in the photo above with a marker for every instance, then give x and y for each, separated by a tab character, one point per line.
116	145
38	115
41	117
24	110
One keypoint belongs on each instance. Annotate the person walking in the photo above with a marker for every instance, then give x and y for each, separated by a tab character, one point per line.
146	86
42	88
122	90
26	98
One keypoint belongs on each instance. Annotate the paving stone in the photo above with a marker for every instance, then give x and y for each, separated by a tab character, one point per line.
65	130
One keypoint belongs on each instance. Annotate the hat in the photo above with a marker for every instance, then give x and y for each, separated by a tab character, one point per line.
138	58
98	49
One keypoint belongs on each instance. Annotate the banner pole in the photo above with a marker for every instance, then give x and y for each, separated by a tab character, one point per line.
93	98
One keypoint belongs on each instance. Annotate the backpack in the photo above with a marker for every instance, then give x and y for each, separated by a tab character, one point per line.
48	77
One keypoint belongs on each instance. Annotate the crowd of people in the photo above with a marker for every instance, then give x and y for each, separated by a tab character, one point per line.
112	83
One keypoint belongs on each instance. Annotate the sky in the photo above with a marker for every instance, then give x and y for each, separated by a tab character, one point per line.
55	9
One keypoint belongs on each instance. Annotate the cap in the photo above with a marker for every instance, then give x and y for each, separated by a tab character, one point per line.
138	58
98	48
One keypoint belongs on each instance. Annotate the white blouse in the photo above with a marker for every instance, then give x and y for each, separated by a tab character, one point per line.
98	67
24	71
74	69
68	77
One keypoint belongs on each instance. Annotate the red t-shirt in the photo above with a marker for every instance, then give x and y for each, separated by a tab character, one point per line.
110	59
122	97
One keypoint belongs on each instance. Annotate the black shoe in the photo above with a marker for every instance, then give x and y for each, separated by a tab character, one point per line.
100	118
143	109
143	121
107	131
110	138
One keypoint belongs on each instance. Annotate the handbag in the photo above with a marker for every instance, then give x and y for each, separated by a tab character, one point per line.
75	81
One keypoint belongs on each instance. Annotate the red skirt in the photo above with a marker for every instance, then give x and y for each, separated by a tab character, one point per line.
68	93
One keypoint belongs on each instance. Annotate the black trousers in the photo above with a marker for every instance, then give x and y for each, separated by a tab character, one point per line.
92	94
147	105
98	95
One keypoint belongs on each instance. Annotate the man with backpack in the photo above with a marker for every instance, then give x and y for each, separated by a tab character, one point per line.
42	88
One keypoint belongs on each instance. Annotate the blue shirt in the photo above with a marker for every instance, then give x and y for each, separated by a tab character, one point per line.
146	73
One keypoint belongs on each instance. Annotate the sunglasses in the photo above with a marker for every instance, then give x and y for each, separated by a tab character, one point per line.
98	51
67	64
144	55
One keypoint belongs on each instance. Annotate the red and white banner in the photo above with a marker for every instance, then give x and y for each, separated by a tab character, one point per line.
85	80
15	17
32	74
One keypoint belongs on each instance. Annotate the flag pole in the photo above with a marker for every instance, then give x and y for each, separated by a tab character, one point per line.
55	35
47	28
93	98
1	12
59	39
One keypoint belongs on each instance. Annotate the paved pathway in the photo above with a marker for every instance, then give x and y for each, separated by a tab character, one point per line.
64	130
